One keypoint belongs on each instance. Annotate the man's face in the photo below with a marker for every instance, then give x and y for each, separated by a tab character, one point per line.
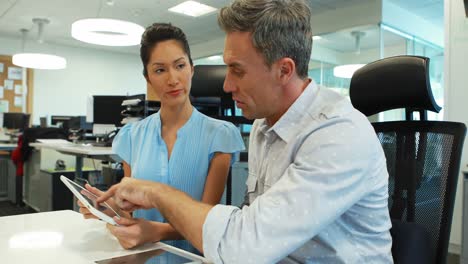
254	86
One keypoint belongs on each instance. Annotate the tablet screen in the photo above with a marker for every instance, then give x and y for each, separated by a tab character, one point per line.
90	197
158	256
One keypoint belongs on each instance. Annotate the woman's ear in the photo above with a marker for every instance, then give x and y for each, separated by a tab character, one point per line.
193	70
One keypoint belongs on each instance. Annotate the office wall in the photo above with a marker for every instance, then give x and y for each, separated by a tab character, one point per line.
89	71
456	92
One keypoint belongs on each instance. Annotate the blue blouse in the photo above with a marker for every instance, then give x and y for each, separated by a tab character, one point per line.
141	145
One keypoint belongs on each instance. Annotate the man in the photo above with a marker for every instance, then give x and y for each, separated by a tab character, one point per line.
318	186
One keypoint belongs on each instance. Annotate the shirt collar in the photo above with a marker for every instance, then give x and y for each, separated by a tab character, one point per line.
293	115
187	125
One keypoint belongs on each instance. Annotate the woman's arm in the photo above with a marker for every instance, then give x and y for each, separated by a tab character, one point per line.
214	188
127	170
216	178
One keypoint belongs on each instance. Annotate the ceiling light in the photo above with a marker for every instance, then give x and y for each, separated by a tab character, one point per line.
346	71
107	32
192	8
316	37
214	58
38	60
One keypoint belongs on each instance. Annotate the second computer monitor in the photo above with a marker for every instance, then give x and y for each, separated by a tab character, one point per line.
107	109
18	121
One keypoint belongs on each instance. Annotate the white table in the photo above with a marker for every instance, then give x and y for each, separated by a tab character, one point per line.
63	237
7	146
80	151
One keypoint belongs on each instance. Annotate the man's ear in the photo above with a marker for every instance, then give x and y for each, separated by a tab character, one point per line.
287	68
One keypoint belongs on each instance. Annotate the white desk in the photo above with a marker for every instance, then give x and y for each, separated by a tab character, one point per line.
7	174
63	237
8	146
80	151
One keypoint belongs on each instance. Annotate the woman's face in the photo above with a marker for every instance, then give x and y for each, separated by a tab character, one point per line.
170	73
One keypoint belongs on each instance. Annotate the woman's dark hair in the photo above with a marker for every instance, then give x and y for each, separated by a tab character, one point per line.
159	32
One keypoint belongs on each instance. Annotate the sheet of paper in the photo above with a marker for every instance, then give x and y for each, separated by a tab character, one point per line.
4	106
18	89
8	84
1	92
18	101
1	67
15	73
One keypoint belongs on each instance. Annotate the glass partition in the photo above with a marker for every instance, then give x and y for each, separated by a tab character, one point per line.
361	45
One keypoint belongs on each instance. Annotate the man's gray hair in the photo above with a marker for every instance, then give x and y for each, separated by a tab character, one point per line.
280	28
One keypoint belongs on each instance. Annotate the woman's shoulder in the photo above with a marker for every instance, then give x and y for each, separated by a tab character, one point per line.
213	123
149	121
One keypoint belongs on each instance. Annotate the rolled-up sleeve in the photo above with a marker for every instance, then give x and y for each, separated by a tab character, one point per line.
214	229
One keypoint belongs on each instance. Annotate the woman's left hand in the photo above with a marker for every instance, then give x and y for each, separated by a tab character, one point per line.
133	232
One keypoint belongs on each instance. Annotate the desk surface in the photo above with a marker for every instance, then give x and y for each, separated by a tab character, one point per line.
7	146
62	237
75	148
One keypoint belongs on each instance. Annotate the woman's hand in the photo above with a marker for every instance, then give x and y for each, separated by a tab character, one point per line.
133	232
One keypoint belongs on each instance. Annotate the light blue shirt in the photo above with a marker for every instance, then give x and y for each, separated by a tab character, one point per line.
140	145
317	190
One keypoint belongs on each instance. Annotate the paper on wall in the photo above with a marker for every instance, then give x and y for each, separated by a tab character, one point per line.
15	73
4	106
18	89
1	92
1	67
18	101
8	84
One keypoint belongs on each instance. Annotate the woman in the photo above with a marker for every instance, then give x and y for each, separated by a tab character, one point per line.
177	146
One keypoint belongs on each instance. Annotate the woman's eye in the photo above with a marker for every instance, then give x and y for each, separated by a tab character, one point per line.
158	70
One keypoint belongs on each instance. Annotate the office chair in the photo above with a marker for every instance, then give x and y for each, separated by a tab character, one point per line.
423	157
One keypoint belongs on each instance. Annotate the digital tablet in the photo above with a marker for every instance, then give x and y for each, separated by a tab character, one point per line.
155	256
88	199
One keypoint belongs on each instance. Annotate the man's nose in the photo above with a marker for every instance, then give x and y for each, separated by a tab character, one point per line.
228	86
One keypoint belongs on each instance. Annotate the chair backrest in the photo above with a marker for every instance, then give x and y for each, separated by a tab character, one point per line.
423	157
207	92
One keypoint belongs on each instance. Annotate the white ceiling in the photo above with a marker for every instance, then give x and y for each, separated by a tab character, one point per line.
18	14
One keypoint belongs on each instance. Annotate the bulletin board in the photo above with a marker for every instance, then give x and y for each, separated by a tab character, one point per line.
12	88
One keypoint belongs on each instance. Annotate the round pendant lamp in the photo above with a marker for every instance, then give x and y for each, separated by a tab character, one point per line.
41	61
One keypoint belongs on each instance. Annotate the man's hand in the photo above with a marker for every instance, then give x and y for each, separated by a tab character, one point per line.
84	210
131	194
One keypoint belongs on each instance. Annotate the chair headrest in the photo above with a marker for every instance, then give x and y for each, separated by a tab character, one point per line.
208	81
392	83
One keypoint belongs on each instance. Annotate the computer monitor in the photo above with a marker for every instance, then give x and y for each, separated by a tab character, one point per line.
18	121
71	122
60	121
107	109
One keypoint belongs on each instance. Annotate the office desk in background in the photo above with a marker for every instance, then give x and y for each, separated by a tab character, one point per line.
63	237
38	189
7	173
80	151
7	146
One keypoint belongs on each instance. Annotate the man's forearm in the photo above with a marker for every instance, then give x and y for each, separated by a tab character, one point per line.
182	212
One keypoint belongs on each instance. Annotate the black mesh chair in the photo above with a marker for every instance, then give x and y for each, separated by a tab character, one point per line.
423	157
